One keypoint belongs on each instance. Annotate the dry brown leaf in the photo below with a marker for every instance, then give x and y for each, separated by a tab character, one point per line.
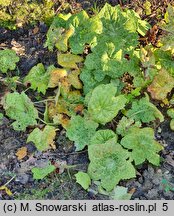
21	153
161	85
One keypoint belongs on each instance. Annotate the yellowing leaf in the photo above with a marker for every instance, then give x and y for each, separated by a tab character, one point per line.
62	42
43	140
21	153
147	6
73	78
55	77
61	119
6	190
161	85
69	60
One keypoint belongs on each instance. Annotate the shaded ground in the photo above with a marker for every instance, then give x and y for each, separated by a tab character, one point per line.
151	182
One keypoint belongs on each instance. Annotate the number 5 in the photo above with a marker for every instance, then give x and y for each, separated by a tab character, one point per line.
165	207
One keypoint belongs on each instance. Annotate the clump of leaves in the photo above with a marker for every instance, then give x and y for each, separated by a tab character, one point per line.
110	163
20	108
86	109
8	60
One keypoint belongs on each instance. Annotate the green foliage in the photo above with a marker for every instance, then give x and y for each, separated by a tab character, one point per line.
42	139
40	173
103	105
170	113
102	136
78	29
1	117
115	72
141	142
110	163
80	130
120	193
56	33
125	124
83	179
38	77
8	60
168	39
143	110
19	12
20	108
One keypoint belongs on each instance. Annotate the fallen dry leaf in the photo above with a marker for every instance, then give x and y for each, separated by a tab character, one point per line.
21	153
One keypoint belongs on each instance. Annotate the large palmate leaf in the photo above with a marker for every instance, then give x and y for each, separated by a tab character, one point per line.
20	108
103	105
143	110
80	130
38	77
8	60
43	140
141	142
161	85
110	163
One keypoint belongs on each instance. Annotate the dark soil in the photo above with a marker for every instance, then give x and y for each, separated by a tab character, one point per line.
152	183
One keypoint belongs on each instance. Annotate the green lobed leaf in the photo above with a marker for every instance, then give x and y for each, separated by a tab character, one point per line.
141	142
40	173
83	179
102	136
42	139
38	77
103	105
110	163
143	110
125	124
20	108
8	60
80	130
85	31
